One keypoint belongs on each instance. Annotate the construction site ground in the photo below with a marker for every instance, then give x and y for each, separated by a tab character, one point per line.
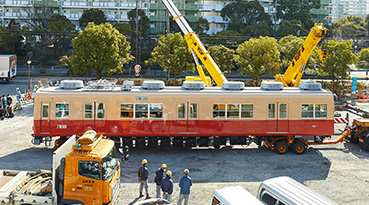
338	171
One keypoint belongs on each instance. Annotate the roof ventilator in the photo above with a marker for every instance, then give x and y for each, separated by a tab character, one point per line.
127	85
153	85
272	85
233	86
71	84
310	85
193	85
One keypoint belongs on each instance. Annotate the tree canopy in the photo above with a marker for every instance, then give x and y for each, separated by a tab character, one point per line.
91	15
223	57
352	26
258	56
339	57
363	58
100	48
292	27
172	54
62	30
226	38
247	18
123	28
143	22
201	26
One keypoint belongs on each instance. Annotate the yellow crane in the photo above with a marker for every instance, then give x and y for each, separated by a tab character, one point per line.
293	74
196	48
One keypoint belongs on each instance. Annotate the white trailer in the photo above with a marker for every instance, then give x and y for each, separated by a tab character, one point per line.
8	67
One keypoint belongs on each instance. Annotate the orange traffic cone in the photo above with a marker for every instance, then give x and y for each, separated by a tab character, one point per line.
359	97
367	97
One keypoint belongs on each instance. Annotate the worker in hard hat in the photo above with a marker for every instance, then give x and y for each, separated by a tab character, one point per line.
160	174
143	174
167	186
185	185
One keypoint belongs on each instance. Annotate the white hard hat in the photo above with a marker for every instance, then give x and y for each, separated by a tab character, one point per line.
17	88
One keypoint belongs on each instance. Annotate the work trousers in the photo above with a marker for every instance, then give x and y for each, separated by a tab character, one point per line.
158	191
143	183
185	197
167	196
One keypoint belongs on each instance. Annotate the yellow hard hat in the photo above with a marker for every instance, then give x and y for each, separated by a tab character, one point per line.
169	173
144	161
164	166
186	171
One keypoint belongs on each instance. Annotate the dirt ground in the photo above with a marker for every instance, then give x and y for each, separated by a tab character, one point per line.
339	172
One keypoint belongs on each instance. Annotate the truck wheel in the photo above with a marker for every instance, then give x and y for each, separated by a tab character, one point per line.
298	147
281	147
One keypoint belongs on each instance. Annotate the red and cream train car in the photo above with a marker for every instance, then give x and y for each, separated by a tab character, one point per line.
153	114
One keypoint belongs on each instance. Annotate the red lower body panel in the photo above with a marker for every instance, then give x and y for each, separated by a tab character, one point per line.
133	128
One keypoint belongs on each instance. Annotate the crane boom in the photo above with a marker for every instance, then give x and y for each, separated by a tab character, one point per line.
293	74
195	46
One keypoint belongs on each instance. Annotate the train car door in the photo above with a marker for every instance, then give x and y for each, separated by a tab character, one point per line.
277	118
88	122
94	116
100	117
187	119
45	118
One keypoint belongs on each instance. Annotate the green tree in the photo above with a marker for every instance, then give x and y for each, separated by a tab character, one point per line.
223	57
100	48
258	56
143	22
65	62
293	27
367	24
62	30
297	10
245	14
363	58
339	57
91	15
172	55
123	28
201	26
11	38
226	38
350	27
289	47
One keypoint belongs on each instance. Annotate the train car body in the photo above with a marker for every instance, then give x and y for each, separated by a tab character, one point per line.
177	112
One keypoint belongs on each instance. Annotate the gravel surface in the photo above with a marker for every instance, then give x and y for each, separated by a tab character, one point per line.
339	172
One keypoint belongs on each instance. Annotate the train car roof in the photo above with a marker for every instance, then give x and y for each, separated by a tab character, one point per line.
178	89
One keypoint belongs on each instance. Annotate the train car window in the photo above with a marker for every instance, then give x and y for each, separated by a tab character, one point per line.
181	110
156	111
126	110
193	110
90	169
307	110
141	111
247	111
62	110
45	111
88	110
219	111
271	111
283	111
321	111
101	110
233	111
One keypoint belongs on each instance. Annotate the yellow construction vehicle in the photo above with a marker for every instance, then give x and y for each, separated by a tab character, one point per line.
293	74
85	171
196	47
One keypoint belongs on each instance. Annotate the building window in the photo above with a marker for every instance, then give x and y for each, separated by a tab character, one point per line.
156	111
247	111
141	111
126	111
88	110
62	111
101	110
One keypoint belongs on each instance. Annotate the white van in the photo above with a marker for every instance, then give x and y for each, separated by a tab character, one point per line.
233	195
285	190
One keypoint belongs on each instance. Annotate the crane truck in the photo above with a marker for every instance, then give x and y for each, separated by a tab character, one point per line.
196	48
84	171
293	74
